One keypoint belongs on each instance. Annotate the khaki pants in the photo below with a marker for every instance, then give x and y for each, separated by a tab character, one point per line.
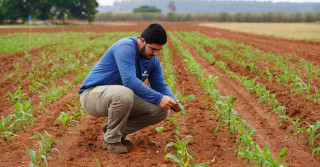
126	112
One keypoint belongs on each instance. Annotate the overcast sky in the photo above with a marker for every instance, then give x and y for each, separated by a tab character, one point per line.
110	2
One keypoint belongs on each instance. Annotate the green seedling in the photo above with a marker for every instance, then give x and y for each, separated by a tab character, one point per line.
295	125
63	119
316	150
263	156
36	160
97	161
183	99
159	129
174	120
316	96
17	96
6	131
26	56
229	118
77	112
47	141
312	133
16	67
182	157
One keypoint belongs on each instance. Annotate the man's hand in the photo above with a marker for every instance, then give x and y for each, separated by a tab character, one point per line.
168	102
176	107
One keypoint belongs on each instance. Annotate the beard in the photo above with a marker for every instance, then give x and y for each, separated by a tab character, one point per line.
143	52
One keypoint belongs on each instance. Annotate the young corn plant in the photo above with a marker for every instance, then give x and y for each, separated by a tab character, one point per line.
219	103
6	130
47	141
316	96
63	118
316	150
181	155
37	158
17	96
17	67
182	99
312	133
261	157
244	141
229	117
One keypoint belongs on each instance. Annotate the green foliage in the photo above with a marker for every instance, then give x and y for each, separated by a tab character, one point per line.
46	140
159	129
224	107
17	96
312	133
63	117
146	9
45	147
97	161
48	9
263	156
181	154
206	17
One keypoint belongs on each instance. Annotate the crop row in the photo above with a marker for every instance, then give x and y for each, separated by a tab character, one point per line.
283	72
65	119
181	155
238	128
269	99
48	88
26	41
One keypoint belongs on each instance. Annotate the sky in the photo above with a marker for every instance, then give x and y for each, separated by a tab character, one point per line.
110	2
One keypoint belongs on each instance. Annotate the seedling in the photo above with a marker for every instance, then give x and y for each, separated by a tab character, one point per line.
17	96
312	133
63	119
159	129
36	160
47	141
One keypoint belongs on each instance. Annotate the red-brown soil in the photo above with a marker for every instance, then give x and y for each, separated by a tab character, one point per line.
82	144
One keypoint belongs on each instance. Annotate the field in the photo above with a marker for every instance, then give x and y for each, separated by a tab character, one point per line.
256	99
298	31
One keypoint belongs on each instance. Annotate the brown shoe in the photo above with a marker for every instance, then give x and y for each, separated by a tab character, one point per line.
115	147
125	141
105	127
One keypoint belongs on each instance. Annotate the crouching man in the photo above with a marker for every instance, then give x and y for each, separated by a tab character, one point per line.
114	88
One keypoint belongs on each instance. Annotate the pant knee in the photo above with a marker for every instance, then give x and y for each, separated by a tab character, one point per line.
166	114
162	115
124	95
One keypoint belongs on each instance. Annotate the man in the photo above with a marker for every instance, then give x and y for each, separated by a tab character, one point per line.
114	88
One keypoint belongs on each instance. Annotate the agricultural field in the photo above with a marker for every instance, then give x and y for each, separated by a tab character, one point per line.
248	99
298	31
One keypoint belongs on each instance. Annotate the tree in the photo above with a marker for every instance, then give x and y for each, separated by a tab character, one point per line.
47	9
84	9
15	9
42	10
146	9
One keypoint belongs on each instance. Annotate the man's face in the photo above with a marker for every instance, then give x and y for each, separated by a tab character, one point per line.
148	51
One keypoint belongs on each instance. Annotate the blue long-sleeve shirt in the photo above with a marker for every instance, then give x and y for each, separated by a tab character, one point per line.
122	65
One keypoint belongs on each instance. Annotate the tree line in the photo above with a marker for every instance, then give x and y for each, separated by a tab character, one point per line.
212	17
14	10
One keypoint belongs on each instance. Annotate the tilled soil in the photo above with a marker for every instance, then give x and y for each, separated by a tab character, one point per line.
81	145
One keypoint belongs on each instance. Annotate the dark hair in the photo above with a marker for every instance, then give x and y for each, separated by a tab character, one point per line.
154	33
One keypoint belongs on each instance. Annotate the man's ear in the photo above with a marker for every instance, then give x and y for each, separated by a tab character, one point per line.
142	40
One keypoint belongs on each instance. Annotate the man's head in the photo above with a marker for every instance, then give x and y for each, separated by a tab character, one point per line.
153	38
154	34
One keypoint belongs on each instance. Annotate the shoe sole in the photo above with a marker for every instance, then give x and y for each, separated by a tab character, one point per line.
118	151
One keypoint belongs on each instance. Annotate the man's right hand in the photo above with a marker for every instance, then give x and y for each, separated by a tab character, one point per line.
167	103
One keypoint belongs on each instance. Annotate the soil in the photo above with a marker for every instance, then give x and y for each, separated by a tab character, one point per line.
81	144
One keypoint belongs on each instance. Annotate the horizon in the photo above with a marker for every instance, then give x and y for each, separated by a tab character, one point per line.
110	2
